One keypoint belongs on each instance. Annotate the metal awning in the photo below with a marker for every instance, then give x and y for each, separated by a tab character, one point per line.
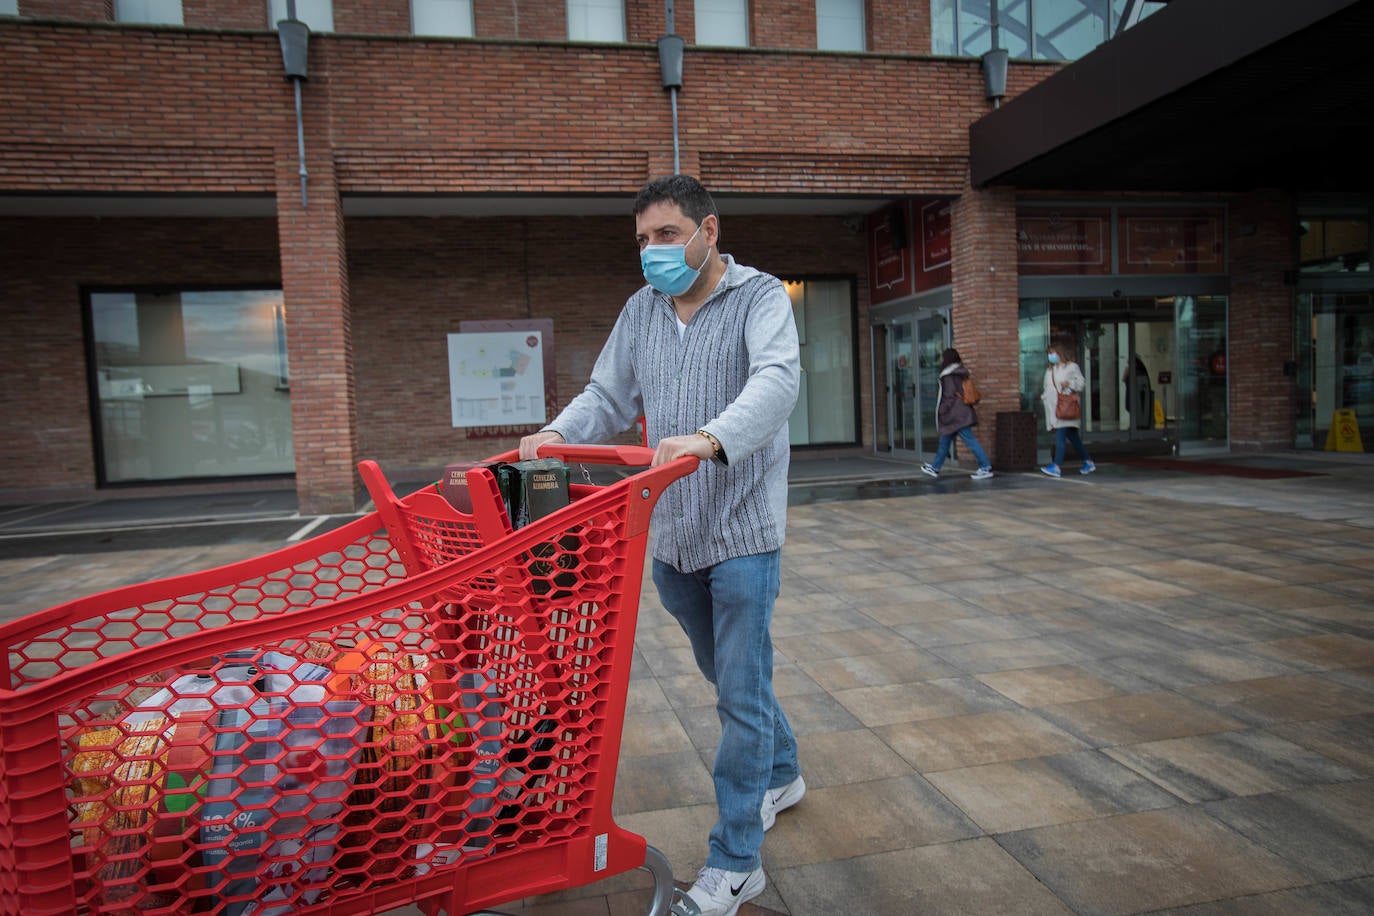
1205	95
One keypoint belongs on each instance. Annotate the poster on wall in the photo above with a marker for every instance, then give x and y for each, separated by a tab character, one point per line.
496	378
1063	241
937	245
889	253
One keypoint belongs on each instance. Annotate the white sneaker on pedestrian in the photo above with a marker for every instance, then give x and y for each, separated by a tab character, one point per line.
929	471
982	474
775	800
718	892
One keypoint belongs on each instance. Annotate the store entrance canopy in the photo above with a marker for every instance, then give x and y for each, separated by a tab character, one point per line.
1205	95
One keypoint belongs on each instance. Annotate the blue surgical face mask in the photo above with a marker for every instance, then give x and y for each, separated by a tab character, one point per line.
665	267
1054	358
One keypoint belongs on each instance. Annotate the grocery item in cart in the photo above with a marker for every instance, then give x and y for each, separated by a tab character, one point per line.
282	769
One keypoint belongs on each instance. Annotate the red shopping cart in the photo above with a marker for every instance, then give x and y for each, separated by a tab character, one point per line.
421	706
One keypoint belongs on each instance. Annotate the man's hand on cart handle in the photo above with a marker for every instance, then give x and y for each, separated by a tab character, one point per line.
529	445
675	447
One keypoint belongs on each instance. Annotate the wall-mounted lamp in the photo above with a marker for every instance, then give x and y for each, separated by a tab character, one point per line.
295	55
995	61
670	48
995	75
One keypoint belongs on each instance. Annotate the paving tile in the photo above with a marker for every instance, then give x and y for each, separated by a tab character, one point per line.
1208	767
957	631
1051	685
1020	794
860	819
835	674
1194	667
842	644
968	877
1136	863
658	781
1349	740
874	706
1287	698
964	741
1009	654
1336	898
1112	584
1321	653
1327	832
840	758
1137	717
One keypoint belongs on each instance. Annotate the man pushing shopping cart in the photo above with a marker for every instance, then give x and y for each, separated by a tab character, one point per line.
707	352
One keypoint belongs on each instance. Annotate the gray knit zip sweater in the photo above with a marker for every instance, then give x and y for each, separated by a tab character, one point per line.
735	373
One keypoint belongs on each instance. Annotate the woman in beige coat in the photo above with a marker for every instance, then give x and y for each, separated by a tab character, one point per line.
1063	376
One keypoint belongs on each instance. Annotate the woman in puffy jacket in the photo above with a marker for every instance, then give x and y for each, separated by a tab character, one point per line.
1063	377
955	418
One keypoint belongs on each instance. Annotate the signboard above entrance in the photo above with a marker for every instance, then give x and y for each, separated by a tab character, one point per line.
1063	241
1052	240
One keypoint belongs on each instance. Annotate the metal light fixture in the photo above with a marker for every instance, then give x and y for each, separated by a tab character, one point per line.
295	53
995	63
670	48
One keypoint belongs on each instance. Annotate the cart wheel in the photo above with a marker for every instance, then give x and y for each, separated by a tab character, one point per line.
656	863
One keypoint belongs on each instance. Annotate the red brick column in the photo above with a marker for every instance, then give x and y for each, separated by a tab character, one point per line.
319	344
1261	322
985	327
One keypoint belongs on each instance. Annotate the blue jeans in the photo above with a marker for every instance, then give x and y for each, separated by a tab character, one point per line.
725	610
1068	434
970	441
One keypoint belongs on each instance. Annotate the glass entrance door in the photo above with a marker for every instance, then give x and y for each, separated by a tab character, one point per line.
914	345
1336	368
902	410
1155	365
932	336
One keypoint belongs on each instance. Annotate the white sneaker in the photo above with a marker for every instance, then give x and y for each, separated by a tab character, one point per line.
929	471
775	800
718	892
982	474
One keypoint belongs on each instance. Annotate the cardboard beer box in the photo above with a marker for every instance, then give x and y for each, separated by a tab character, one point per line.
453	486
537	487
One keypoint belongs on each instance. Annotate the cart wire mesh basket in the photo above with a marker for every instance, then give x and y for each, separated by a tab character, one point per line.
420	706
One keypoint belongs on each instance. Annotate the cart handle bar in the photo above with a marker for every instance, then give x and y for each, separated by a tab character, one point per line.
627	455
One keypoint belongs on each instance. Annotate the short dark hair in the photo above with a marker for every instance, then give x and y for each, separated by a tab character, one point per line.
684	190
949	358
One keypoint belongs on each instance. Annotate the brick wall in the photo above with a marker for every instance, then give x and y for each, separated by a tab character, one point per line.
984	327
1262	321
42	352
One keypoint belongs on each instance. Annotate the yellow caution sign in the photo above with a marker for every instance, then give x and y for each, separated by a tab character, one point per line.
1344	434
1159	414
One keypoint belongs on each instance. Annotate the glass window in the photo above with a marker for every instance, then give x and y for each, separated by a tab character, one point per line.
596	20
1045	29
840	25
1068	29
825	412
723	23
1333	244
318	14
160	12
191	384
9	7
442	17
